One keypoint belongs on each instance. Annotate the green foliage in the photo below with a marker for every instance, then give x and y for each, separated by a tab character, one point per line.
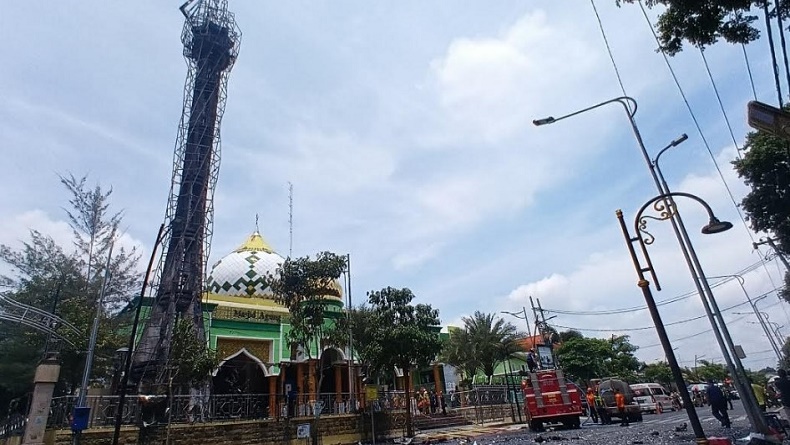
459	351
703	23
400	335
66	279
569	334
785	363
192	358
586	358
302	285
490	341
658	373
765	168
706	370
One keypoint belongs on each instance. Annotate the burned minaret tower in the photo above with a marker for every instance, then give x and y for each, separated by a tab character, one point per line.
211	44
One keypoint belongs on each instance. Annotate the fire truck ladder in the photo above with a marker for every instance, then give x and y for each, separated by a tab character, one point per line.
566	399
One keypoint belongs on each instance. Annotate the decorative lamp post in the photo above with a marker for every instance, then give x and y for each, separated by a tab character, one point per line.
723	338
644	238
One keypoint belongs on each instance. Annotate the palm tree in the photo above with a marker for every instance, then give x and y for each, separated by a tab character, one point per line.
492	338
458	352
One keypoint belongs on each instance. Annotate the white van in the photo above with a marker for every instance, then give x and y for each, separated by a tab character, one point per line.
651	397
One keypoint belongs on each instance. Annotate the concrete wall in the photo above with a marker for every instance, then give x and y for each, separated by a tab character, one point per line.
335	430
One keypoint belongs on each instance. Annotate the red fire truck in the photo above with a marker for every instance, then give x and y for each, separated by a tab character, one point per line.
550	398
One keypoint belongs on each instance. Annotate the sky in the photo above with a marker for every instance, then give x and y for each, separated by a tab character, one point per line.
406	131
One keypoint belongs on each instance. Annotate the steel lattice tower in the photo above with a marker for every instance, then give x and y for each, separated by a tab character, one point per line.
211	44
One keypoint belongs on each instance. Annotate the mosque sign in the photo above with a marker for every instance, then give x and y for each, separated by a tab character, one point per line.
243	314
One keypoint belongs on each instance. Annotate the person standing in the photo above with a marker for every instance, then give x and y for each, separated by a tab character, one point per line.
718	404
532	362
782	385
759	394
619	399
591	408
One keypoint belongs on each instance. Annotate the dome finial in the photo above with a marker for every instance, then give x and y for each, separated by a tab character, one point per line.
256	223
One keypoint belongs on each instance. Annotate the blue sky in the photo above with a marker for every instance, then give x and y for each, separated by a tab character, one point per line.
405	128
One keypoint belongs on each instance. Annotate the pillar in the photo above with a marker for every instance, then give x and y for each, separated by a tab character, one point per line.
437	380
273	395
338	384
46	376
311	380
300	381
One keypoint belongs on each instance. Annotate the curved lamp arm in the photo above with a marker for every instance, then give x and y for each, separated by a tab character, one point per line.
629	103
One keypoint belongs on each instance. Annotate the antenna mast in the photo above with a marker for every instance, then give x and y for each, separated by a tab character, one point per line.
290	219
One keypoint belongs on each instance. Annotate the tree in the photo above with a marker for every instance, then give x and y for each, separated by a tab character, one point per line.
458	351
658	373
492	340
302	285
622	362
586	358
402	336
765	168
58	278
569	334
703	23
192	358
710	371
785	363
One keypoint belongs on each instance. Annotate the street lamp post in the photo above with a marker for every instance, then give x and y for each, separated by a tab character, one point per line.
757	313
715	317
665	197
661	205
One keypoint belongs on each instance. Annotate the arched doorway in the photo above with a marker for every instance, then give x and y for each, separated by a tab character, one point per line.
333	371
241	373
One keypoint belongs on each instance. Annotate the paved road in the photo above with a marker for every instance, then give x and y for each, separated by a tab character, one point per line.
655	429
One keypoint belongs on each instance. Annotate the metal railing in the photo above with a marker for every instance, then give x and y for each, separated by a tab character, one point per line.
229	407
13	426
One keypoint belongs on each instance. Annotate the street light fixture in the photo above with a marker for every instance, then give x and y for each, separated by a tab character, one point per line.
757	313
712	311
629	105
640	225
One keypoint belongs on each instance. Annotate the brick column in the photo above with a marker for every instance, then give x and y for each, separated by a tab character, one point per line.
273	395
300	381
437	380
338	384
311	380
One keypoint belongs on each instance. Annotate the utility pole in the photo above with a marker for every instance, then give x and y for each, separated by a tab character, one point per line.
779	254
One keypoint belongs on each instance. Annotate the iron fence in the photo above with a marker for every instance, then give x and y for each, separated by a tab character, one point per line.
226	407
13	426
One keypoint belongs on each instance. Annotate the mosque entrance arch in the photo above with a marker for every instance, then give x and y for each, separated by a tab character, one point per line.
334	372
241	373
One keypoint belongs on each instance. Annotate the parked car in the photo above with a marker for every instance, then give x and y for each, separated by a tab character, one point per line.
652	397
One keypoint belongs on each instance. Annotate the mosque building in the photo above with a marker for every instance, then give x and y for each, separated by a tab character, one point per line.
249	330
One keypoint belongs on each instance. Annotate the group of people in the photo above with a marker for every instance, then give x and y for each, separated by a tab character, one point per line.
430	402
597	407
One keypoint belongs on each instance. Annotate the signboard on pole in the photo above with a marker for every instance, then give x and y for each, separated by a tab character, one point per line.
769	119
739	352
371	392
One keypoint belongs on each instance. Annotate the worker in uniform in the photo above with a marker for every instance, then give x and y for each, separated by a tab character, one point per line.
600	406
591	407
619	399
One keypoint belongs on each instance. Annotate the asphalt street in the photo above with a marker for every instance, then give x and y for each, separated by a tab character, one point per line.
655	429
